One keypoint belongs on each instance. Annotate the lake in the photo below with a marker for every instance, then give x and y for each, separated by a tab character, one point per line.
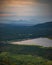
38	41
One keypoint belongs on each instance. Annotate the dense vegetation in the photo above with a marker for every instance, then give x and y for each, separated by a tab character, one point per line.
8	59
18	32
25	55
11	54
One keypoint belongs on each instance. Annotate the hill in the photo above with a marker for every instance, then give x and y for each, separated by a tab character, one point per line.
20	32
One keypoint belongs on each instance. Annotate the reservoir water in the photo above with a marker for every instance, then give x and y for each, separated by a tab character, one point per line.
38	41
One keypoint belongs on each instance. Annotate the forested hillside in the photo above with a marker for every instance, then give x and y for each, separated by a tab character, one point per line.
18	32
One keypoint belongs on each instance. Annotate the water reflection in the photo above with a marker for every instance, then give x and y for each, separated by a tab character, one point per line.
39	41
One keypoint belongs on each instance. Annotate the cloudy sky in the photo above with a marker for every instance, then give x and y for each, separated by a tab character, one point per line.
39	10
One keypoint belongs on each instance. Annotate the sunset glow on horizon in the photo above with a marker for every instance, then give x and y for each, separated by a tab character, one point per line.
23	9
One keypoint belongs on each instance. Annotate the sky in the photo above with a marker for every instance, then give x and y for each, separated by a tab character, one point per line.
31	10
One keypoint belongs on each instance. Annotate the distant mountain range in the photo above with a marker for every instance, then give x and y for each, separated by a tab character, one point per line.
20	32
22	22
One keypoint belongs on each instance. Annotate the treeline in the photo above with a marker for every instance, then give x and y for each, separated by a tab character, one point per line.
15	32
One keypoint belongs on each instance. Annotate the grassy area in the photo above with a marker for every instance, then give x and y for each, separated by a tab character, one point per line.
25	55
11	59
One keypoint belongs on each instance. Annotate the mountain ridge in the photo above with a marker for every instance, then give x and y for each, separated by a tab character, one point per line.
14	32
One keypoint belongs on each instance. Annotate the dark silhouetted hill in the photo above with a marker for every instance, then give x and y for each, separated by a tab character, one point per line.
20	32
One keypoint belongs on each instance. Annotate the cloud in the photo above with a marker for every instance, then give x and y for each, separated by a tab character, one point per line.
6	15
13	9
4	3
43	1
39	1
